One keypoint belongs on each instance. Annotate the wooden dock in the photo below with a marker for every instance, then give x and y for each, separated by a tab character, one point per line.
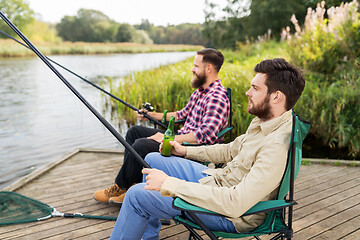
328	199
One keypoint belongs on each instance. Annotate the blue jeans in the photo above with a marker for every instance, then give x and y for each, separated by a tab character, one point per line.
141	211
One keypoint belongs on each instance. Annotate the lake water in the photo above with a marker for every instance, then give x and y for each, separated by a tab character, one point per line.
41	119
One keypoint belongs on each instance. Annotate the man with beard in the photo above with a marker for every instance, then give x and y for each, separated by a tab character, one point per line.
255	165
206	115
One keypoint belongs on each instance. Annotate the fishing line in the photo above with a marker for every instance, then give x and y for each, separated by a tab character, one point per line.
81	98
94	85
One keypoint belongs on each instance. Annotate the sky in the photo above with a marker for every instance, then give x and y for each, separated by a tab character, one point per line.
158	12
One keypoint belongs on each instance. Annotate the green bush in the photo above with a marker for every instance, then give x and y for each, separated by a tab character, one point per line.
324	45
328	50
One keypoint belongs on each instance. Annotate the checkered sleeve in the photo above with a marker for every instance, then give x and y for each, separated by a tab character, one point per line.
183	113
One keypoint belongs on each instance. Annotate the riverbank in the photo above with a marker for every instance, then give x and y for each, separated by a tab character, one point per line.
10	48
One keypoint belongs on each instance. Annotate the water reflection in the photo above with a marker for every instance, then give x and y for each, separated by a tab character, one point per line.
41	119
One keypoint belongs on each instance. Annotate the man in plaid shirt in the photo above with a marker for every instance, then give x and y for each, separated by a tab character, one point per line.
206	115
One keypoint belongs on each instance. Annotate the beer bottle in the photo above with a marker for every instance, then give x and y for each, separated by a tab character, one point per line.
169	135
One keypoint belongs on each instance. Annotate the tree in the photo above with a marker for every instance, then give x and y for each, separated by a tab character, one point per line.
141	36
243	20
274	15
125	33
18	12
67	28
88	26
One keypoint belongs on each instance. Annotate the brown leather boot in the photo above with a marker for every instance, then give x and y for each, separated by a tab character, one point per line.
106	194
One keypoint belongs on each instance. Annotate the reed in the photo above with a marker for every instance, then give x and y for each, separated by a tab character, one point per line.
9	48
168	87
331	106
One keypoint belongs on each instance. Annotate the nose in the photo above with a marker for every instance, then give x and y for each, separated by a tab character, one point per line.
248	92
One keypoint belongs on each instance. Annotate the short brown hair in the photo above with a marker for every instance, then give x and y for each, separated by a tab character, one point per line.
212	56
284	77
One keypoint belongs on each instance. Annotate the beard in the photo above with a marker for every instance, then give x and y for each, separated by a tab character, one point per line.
261	110
198	80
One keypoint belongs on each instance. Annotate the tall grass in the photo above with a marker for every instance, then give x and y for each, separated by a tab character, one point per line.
9	48
168	87
329	51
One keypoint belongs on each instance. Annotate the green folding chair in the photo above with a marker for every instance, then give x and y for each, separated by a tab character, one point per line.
275	221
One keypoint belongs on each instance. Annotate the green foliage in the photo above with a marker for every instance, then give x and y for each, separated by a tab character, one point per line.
43	32
328	50
18	12
179	34
246	20
325	45
125	33
305	162
274	15
159	86
168	87
88	26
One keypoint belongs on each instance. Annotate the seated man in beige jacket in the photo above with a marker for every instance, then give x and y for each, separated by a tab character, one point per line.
255	165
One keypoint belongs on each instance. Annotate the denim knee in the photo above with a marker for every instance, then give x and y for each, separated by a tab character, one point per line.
136	193
152	158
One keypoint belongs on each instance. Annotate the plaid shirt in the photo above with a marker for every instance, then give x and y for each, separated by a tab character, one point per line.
206	113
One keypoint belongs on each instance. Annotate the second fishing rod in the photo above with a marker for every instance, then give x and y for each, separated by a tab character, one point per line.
157	122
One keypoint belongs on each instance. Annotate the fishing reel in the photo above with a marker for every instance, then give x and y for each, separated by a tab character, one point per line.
148	107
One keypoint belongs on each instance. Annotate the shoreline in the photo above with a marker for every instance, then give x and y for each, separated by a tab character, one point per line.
11	49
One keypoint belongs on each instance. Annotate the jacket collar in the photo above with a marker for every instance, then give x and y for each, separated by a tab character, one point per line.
270	126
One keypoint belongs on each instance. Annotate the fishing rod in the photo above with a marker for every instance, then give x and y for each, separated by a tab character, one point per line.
81	98
96	86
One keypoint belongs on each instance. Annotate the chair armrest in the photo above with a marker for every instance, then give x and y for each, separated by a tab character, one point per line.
186	144
180	204
223	132
180	121
262	206
265	206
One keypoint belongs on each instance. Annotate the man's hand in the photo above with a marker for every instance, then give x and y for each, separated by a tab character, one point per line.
157	137
178	149
140	116
154	178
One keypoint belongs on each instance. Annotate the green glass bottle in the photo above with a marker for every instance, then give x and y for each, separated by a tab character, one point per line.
169	135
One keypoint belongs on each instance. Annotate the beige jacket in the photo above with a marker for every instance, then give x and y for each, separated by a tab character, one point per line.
255	161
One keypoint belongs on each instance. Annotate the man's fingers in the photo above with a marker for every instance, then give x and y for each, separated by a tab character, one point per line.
148	187
146	171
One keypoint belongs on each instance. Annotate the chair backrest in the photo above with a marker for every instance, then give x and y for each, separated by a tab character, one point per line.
229	93
300	128
230	125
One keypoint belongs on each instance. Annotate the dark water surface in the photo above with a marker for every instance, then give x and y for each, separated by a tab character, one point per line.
41	119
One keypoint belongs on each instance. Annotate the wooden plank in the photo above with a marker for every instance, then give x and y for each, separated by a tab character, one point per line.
353	236
328	198
326	225
329	181
316	215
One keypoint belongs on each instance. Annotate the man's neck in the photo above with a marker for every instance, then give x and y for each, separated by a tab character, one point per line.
274	114
209	80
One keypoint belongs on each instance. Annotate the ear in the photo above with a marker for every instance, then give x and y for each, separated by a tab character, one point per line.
209	67
278	97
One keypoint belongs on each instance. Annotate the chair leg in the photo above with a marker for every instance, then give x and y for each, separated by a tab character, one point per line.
278	236
202	226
